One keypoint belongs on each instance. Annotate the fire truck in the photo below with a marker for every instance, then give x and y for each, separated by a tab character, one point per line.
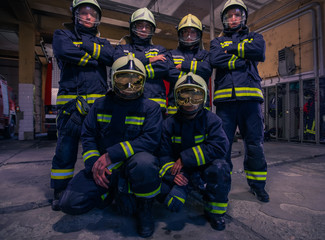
51	90
7	110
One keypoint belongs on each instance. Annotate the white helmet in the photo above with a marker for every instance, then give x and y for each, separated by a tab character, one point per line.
190	93
128	77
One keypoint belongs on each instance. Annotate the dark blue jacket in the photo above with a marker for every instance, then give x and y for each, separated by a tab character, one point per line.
195	61
237	76
121	128
154	88
197	141
83	64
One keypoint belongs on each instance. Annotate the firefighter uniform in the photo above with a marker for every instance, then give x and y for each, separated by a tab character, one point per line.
129	131
195	60
238	94
195	136
143	49
190	55
202	144
82	58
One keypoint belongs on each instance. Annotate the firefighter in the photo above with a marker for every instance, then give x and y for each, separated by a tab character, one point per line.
142	28
119	137
188	57
192	154
82	58
238	94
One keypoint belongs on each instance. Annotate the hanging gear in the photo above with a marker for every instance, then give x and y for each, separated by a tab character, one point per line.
240	11
128	75
140	19
190	93
189	30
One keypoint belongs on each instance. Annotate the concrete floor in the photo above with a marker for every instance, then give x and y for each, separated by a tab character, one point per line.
295	182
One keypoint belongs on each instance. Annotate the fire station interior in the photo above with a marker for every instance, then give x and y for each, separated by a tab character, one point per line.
293	78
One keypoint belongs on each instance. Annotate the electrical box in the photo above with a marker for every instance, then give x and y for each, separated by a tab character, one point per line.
287	64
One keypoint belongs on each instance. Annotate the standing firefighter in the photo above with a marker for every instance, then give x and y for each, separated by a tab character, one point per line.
82	58
188	57
238	94
193	150
142	28
119	137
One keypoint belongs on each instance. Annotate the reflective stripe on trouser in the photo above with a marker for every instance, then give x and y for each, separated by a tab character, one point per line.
64	160
247	115
215	207
142	173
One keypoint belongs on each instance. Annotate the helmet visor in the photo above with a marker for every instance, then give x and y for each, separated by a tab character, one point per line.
87	16
233	17
143	29
189	36
189	96
129	82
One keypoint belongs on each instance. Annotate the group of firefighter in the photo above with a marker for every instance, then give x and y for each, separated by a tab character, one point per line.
135	147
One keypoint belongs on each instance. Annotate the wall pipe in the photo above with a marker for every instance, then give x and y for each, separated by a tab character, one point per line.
317	48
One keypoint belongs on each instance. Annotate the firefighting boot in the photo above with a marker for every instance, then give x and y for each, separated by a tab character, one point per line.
55	203
145	223
260	194
217	221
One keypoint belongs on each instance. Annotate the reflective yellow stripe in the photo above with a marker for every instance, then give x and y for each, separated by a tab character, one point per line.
84	60
181	74
248	92
104	196
176	139
114	166
165	168
178	61
199	155
63	99
150	71
231	63
199	139
104	118
224	93
127	148
225	44
193	66
259	176
160	101
89	154
171	110
216	208
149	195
134	120
62	173
96	52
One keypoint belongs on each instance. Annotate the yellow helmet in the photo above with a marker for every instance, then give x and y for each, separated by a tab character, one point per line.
189	30
231	4
190	21
128	77
190	90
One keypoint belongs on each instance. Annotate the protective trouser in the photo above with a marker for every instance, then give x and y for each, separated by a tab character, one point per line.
69	122
218	182
83	194
247	115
